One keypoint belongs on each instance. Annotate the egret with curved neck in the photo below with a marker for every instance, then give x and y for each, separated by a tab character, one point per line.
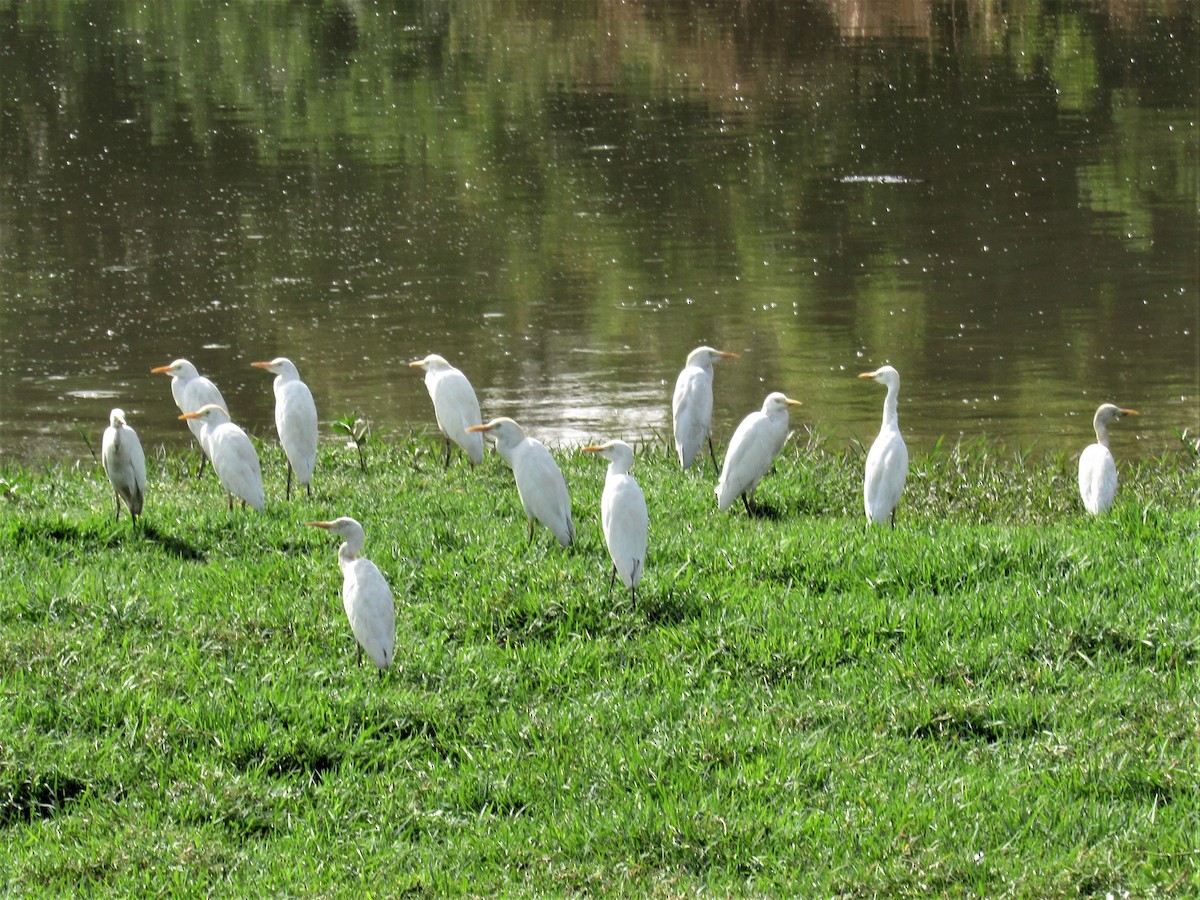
887	461
1097	469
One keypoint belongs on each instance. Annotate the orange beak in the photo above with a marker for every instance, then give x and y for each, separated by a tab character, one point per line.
160	370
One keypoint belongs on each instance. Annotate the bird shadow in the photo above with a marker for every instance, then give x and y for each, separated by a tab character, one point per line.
171	544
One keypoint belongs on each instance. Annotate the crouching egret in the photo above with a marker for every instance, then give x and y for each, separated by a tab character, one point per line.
623	515
366	596
1097	470
124	463
295	421
233	456
692	403
191	391
454	406
752	450
540	482
887	461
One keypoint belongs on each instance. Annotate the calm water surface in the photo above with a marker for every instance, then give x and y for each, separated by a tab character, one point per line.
565	198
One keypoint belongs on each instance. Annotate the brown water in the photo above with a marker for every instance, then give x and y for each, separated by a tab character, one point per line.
565	197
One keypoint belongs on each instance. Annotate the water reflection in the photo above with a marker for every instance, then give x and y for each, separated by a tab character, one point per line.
565	198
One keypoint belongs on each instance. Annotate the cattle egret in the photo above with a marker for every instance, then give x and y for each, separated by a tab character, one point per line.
623	515
692	403
125	463
232	453
752	450
366	596
1097	470
540	483
887	461
454	406
191	391
295	420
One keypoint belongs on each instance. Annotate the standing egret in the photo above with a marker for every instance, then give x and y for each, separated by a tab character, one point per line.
191	391
887	461
623	515
540	482
454	406
1097	470
125	463
295	420
752	450
366	596
692	403
233	455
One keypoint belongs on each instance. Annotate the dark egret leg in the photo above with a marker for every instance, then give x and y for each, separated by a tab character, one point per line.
712	453
746	500
360	654
117	497
308	489
446	461
613	579
203	460
289	481
530	531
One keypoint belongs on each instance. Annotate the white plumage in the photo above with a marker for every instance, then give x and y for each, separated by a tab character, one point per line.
455	406
366	597
753	449
1097	469
692	404
295	421
623	514
233	456
887	461
540	482
191	390
124	463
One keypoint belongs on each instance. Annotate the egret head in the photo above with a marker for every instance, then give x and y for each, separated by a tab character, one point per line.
617	452
431	363
777	401
706	356
209	412
281	365
180	368
116	418
885	375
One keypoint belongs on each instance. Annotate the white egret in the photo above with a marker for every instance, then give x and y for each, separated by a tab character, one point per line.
623	515
366	596
887	461
752	450
233	456
454	406
540	482
124	462
1097	470
295	420
692	404
191	391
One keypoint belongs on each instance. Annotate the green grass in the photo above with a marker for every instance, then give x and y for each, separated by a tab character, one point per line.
998	698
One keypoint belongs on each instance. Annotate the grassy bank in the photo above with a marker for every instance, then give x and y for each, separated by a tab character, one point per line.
998	697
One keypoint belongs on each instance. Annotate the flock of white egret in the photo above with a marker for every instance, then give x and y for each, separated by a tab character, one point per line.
366	597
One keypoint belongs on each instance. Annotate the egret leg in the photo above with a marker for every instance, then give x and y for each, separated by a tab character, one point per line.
231	502
712	453
613	579
118	499
746	500
449	447
360	654
289	481
531	531
203	460
893	518
308	489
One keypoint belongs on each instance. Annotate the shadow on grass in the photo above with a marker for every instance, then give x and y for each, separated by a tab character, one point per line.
173	545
